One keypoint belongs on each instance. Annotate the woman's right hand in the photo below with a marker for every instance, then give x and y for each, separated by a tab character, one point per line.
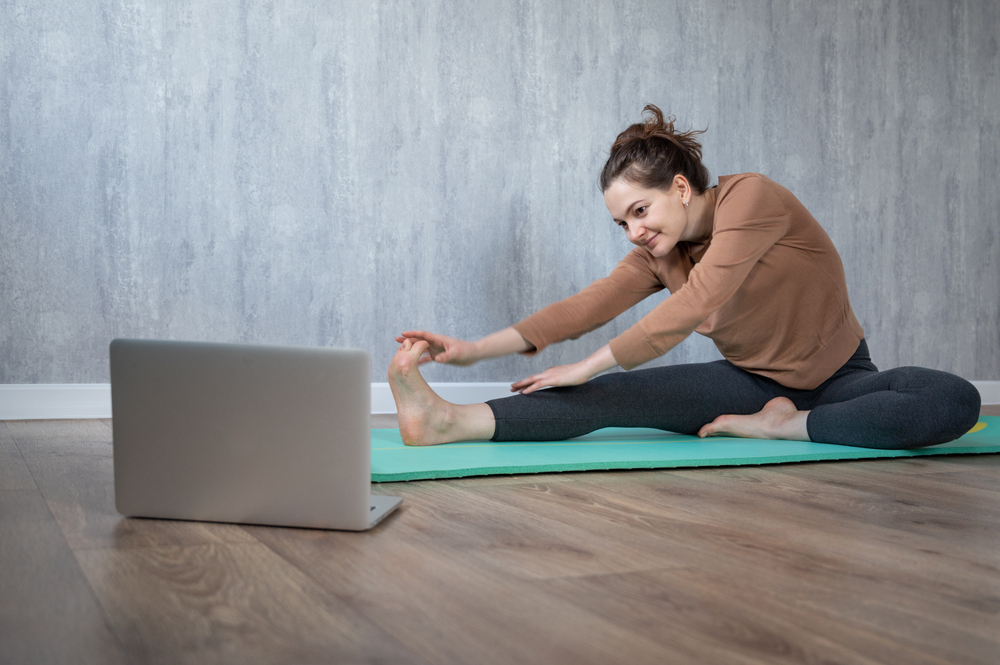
443	349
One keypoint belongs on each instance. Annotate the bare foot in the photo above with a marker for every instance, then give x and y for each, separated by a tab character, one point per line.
424	418
779	419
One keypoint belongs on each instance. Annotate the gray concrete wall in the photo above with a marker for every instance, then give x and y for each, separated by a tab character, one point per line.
332	172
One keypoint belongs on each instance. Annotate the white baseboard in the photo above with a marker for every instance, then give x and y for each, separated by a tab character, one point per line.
53	401
93	400
989	390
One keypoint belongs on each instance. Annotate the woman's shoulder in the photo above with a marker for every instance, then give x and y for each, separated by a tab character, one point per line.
745	182
747	196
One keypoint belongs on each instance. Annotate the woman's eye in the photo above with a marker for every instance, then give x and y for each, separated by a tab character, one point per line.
640	210
624	225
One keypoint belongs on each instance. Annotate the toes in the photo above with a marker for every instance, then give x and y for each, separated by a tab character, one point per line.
725	425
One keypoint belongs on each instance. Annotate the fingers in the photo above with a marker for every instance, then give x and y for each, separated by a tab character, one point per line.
437	342
409	334
432	352
537	385
531	384
418	345
444	356
420	334
517	386
553	377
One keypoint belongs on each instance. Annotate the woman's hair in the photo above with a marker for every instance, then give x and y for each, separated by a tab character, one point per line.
652	152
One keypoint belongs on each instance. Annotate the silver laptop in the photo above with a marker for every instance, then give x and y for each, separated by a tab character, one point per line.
247	434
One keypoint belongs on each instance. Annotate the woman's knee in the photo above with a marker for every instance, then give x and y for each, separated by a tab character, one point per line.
965	401
952	403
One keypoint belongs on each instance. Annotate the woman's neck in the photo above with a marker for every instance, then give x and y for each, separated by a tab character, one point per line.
701	216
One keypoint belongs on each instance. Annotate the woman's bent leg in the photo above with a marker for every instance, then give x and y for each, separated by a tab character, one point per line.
906	407
677	398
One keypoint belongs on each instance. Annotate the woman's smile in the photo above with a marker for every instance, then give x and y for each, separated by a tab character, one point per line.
646	214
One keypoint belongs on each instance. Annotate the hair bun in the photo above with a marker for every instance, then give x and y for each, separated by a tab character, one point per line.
654	126
653	151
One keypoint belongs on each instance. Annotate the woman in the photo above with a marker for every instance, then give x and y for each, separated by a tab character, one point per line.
746	265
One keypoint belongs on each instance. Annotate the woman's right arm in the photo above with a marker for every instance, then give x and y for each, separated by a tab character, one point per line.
630	282
453	351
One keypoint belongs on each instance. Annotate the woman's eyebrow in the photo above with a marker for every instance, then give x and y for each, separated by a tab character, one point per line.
627	210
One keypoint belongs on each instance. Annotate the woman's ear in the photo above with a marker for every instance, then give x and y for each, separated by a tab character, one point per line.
683	188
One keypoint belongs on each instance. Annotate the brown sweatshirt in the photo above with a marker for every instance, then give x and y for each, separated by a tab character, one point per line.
768	288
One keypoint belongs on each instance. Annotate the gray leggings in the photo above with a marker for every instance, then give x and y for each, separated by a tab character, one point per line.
906	407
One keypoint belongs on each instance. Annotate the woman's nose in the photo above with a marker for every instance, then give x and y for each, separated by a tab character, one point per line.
634	232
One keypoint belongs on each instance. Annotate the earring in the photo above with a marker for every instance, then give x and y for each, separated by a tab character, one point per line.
687	203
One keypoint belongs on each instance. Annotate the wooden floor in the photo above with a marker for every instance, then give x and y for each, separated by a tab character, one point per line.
889	561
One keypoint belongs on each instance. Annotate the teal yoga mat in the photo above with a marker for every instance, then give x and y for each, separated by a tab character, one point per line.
615	448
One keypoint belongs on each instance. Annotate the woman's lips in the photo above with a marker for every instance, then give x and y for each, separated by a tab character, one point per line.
651	239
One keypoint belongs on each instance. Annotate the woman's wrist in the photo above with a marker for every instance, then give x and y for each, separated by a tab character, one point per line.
500	343
601	360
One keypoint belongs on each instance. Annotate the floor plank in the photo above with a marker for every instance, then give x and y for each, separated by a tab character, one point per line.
79	491
987	462
708	606
14	473
71	463
449	610
228	604
755	515
954	570
48	612
946	491
61	437
470	521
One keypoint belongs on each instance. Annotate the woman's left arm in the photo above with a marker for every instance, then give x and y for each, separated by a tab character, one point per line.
568	375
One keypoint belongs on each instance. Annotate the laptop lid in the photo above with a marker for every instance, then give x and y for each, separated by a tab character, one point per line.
243	433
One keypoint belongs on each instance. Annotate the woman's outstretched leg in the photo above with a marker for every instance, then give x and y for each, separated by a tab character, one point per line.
424	418
675	398
678	398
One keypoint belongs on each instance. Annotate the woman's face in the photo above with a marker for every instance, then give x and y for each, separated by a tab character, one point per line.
652	218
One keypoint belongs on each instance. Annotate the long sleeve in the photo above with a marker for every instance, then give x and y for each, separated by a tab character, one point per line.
630	282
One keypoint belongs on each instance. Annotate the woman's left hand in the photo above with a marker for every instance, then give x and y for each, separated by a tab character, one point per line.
567	375
561	375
